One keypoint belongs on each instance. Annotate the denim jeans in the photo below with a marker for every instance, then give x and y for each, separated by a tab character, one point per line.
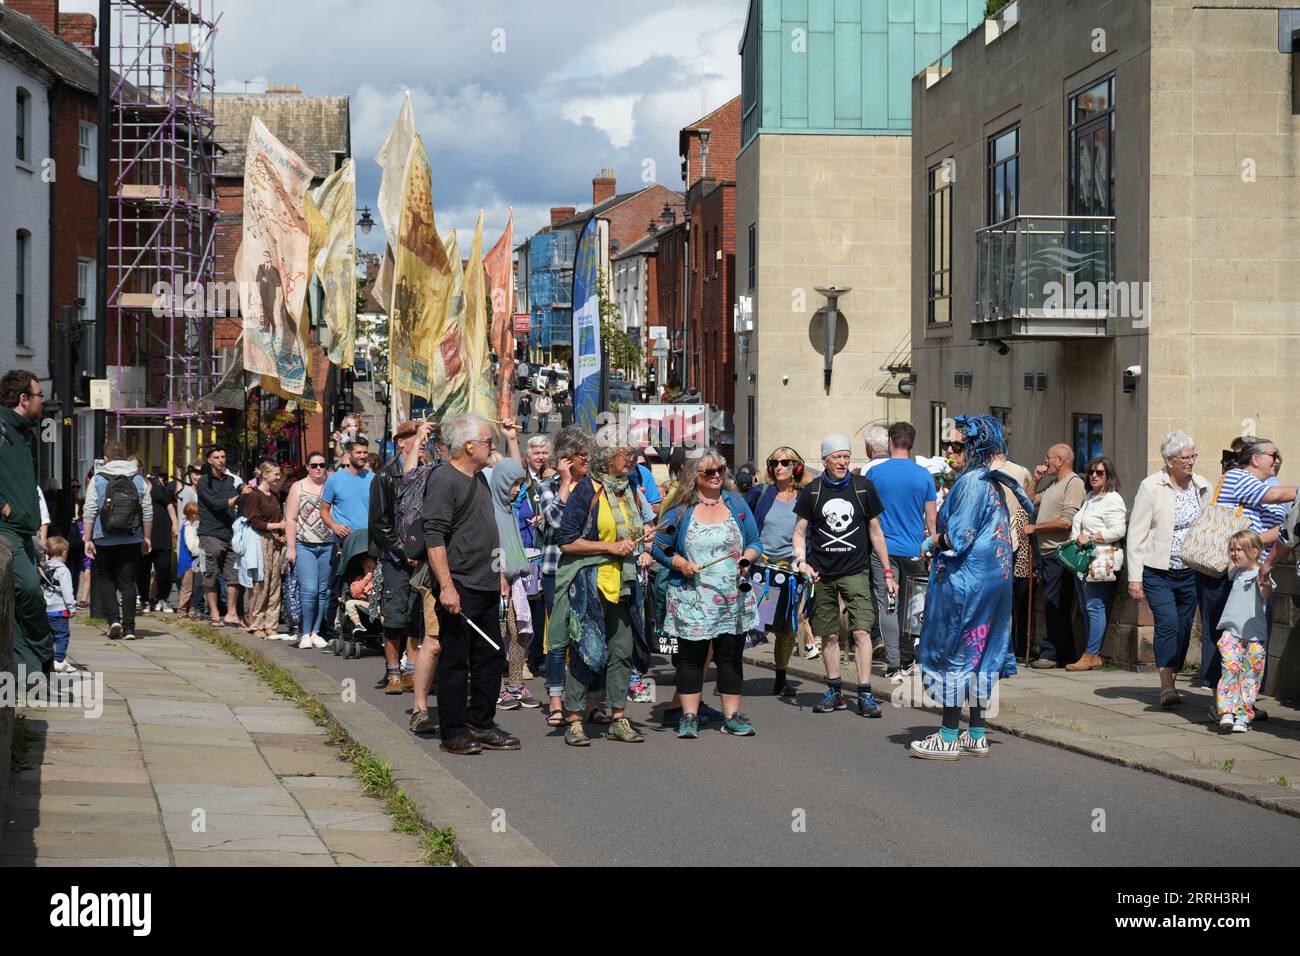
313	572
59	628
1171	596
555	656
1094	597
891	624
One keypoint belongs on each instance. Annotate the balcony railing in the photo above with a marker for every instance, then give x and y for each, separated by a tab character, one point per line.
1046	277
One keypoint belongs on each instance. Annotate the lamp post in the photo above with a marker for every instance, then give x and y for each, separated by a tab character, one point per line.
831	316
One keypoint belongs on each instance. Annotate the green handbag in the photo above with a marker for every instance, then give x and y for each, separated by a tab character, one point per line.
1076	558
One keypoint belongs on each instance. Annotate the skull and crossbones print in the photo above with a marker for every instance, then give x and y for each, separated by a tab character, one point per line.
837	515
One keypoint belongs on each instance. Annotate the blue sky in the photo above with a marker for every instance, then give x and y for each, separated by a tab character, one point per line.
578	87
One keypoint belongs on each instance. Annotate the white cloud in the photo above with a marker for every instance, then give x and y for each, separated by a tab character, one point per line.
612	115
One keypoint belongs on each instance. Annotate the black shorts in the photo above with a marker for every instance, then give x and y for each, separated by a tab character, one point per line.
399	604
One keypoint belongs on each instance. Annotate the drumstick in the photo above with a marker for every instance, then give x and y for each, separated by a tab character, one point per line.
495	645
733	554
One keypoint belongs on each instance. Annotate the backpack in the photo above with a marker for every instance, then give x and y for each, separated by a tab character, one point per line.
120	512
815	489
408	519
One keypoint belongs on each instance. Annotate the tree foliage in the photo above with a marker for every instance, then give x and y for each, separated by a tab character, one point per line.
623	352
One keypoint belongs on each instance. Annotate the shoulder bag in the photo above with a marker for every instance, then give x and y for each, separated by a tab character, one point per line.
1205	546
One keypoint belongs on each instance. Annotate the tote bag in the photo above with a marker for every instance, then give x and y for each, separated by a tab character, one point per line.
1205	546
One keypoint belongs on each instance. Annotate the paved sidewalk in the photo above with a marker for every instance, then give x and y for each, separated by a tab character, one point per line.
194	762
1116	715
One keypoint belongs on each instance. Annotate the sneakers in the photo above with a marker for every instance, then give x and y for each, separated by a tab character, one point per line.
894	675
641	693
129	636
393	685
969	745
306	643
318	641
867	706
422	723
163	607
688	727
115	631
1044	664
934	748
63	667
831	701
738	725
575	736
508	701
811	652
621	729
522	694
1240	726
1225	724
878	651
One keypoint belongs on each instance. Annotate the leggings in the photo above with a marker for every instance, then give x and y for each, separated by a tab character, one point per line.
952	717
691	655
783	649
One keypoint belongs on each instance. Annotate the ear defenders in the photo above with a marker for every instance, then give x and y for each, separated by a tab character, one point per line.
771	472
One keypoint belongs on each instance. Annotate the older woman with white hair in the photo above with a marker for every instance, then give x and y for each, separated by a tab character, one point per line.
1167	505
877	442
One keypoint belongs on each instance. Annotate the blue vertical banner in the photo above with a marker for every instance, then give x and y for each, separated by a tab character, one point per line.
586	328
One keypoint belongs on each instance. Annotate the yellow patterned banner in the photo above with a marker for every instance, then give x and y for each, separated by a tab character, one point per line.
478	372
335	265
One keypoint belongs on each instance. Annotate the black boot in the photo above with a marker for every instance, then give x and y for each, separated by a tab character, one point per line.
780	687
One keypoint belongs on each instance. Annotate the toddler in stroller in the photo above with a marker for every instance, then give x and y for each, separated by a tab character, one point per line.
357	579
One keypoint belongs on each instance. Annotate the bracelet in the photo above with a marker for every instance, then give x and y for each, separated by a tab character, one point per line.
889	572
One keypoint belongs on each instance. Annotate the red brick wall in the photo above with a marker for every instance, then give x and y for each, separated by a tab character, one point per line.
44	12
724	143
77	28
628	220
75	208
668	282
712	300
230	226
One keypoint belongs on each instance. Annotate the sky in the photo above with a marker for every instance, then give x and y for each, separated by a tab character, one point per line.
519	103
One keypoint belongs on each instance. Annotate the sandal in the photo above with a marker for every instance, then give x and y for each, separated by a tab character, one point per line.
598	716
555	718
217	623
1170	698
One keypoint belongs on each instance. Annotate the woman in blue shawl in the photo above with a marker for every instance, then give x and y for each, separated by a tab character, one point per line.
966	638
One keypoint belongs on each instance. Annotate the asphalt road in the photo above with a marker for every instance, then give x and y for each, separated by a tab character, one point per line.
835	790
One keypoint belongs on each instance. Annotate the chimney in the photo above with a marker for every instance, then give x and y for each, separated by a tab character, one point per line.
603	187
78	28
179	65
561	213
44	12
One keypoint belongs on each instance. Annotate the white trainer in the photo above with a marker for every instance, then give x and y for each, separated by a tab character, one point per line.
934	748
318	641
305	643
969	745
63	667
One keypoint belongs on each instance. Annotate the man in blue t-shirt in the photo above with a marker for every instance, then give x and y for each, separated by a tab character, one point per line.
345	502
907	492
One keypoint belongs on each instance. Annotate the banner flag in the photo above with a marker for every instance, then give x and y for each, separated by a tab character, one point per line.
421	280
334	265
392	157
482	396
271	265
446	347
586	328
500	267
232	390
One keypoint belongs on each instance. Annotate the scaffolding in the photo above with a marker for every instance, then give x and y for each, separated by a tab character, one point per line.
163	298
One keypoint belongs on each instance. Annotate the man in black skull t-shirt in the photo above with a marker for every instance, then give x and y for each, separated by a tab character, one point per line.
842	511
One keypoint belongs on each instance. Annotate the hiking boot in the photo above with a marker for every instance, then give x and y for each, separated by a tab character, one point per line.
934	748
494	738
867	706
969	745
621	729
575	736
408	683
422	723
393	685
738	724
688	727
462	746
831	701
1088	662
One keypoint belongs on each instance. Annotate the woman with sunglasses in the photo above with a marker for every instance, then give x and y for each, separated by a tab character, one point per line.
310	544
773	505
1101	520
707	539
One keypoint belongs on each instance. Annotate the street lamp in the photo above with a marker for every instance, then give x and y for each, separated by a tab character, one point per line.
831	322
365	223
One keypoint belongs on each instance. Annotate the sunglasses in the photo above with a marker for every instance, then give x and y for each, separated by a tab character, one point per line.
1098	471
780	463
954	445
712	472
315	464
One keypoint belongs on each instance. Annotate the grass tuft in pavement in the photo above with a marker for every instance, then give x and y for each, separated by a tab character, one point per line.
372	772
24	737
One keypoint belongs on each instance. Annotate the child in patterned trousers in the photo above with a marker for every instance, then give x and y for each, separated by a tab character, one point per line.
1243	637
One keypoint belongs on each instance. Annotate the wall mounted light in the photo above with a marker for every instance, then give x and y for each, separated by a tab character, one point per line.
1042	381
1029	381
831	323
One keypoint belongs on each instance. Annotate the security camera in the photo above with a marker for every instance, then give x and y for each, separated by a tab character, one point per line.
1131	376
1133	371
785	379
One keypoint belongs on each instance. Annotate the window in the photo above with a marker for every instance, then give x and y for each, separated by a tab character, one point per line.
20	303
87	150
938	419
1092	150
1001	414
939	245
86	290
1004	175
717	249
1087	438
753	254
22	126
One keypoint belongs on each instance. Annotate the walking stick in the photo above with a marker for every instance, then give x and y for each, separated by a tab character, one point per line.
495	645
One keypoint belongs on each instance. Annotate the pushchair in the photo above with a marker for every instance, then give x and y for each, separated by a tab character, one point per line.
352	641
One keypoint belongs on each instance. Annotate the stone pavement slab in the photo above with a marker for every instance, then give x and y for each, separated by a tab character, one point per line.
191	764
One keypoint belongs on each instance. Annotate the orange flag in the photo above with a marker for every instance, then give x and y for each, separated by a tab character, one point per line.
500	269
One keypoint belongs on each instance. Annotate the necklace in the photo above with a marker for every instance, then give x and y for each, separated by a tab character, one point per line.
700	499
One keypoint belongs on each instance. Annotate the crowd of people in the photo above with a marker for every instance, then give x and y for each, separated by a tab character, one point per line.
478	569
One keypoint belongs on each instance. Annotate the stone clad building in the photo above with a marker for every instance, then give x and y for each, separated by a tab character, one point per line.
1106	217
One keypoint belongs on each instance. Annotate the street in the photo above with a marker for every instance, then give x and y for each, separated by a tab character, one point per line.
834	790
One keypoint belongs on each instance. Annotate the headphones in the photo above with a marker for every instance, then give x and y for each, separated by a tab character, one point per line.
798	464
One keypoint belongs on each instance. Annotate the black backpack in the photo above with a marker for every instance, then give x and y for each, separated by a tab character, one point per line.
120	512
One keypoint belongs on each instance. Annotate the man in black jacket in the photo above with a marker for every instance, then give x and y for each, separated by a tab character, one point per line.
218	509
21	404
400	604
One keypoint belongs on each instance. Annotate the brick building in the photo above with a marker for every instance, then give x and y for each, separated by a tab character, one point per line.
319	129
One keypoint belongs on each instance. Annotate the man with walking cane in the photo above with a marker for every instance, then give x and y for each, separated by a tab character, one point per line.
460	533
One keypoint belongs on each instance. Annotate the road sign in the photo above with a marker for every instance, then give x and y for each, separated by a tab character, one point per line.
661	347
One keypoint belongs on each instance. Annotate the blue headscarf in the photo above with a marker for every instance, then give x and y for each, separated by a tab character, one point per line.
984	438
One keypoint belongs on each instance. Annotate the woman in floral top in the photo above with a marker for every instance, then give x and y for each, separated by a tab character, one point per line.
707	538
